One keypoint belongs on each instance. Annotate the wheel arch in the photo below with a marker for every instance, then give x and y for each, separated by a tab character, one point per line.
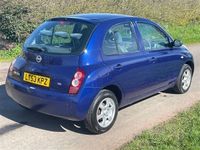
117	91
191	64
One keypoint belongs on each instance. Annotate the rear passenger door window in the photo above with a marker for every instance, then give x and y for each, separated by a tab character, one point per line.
120	39
152	37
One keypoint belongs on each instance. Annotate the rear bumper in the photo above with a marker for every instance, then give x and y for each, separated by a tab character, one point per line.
63	105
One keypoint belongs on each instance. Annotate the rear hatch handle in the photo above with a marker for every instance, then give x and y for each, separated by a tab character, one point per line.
37	48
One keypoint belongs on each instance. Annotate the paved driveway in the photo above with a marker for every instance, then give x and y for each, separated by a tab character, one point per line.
23	129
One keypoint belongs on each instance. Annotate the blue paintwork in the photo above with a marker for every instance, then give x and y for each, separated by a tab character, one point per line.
139	77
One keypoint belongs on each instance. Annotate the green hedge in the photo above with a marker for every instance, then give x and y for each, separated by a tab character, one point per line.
15	21
18	18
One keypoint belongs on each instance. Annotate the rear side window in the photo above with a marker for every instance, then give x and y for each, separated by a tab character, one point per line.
60	37
153	38
120	39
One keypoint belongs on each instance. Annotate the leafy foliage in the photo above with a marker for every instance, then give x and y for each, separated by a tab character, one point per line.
19	17
14	21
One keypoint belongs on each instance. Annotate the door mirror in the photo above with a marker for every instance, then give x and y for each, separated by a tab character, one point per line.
176	43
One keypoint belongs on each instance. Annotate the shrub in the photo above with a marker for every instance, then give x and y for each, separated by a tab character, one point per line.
19	17
15	23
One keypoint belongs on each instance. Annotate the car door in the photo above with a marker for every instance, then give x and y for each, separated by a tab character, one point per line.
122	53
165	61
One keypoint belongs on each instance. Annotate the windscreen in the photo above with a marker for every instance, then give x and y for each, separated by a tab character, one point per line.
60	37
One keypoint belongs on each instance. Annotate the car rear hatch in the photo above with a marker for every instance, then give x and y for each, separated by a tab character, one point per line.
57	68
51	54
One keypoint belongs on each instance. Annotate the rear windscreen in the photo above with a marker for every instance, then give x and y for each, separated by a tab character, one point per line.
60	37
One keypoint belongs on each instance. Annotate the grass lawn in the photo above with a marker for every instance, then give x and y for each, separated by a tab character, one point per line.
188	34
180	133
9	55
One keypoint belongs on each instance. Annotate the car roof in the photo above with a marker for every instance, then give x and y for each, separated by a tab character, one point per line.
97	17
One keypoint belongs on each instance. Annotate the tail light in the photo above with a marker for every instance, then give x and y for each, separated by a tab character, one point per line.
11	68
76	81
11	65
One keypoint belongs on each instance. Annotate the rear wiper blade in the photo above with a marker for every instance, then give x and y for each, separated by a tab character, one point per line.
37	48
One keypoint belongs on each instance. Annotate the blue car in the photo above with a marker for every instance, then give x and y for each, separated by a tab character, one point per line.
85	67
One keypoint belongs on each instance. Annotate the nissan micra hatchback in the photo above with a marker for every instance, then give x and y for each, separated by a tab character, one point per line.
87	66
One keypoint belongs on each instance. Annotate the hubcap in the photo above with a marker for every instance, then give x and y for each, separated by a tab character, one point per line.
186	79
105	112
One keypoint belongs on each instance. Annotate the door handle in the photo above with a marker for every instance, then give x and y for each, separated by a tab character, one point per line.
118	66
153	59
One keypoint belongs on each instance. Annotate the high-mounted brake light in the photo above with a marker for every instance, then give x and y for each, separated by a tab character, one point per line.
77	81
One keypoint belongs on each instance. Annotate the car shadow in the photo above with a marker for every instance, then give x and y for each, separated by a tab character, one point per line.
169	91
11	110
21	116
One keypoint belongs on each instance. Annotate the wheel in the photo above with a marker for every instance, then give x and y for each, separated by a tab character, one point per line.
102	113
184	80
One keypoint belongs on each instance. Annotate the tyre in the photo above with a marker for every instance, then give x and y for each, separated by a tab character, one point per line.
184	80
102	113
24	107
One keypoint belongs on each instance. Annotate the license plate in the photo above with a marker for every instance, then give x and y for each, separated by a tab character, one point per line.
36	79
